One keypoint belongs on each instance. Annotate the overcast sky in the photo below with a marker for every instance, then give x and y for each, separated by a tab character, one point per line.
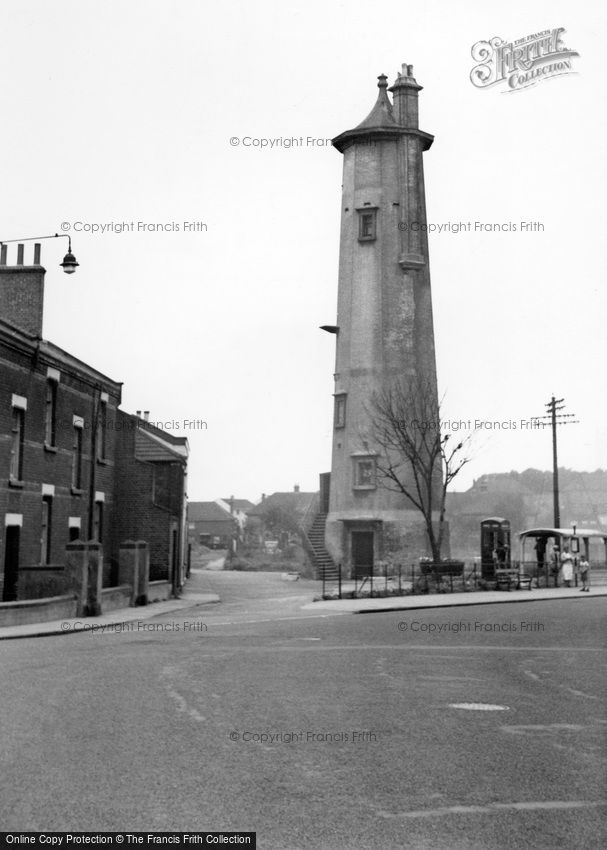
119	112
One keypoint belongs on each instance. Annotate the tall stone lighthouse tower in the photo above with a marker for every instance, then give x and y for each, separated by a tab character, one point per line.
384	325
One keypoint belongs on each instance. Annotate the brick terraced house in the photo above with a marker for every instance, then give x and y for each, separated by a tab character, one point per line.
150	476
64	450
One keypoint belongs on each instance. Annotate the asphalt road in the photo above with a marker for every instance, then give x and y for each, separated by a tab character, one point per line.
316	732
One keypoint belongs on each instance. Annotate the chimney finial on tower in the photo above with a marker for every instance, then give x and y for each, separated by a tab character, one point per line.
404	91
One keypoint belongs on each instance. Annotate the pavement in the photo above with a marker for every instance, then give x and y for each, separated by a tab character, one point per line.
195	594
192	596
452	600
211	561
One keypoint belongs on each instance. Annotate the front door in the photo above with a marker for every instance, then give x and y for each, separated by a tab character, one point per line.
174	556
325	489
11	563
362	552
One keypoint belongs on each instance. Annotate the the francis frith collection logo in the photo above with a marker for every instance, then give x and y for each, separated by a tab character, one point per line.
522	63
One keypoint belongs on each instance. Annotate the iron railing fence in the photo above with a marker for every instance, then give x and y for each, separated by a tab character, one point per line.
386	579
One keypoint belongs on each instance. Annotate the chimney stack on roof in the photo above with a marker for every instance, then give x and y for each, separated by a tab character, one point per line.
404	94
22	291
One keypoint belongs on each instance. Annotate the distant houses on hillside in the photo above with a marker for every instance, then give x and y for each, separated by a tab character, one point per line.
281	515
227	522
526	499
211	525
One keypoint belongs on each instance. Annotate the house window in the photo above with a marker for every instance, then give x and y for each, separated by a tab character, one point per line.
51	413
77	456
98	522
367	224
45	538
18	432
102	430
365	473
340	410
161	485
73	528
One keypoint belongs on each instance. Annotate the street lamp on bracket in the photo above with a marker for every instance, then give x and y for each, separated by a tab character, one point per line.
69	264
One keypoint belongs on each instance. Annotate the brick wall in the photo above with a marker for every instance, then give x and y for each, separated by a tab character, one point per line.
138	516
23	372
22	296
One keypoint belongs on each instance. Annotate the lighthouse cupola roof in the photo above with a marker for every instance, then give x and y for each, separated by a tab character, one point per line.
389	120
380	117
379	123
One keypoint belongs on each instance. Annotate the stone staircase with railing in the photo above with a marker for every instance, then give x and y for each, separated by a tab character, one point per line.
323	562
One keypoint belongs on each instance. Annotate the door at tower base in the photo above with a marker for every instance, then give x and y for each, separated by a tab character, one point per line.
359	543
362	547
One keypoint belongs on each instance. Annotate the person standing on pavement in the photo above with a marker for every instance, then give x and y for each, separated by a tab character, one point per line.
540	551
540	554
585	574
500	554
567	566
554	564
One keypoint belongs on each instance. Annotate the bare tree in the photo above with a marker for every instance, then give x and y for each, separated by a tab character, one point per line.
282	518
415	458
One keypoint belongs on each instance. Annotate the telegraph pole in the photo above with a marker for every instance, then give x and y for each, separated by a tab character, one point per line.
555	418
552	408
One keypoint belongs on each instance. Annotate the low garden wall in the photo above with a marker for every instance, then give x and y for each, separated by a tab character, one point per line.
159	591
115	598
38	610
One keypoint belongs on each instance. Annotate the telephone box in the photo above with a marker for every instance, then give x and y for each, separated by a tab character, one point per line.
495	546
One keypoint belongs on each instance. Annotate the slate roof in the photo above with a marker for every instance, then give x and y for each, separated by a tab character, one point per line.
56	354
208	512
149	447
298	501
152	444
239	504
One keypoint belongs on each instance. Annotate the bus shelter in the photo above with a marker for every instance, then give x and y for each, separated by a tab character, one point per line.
540	550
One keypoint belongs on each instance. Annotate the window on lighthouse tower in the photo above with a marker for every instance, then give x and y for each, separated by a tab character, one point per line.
340	410
367	224
365	473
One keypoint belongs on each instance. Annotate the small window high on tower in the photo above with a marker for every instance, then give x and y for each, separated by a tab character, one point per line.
367	224
340	410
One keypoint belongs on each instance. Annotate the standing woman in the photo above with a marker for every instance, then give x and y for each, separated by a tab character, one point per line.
567	566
